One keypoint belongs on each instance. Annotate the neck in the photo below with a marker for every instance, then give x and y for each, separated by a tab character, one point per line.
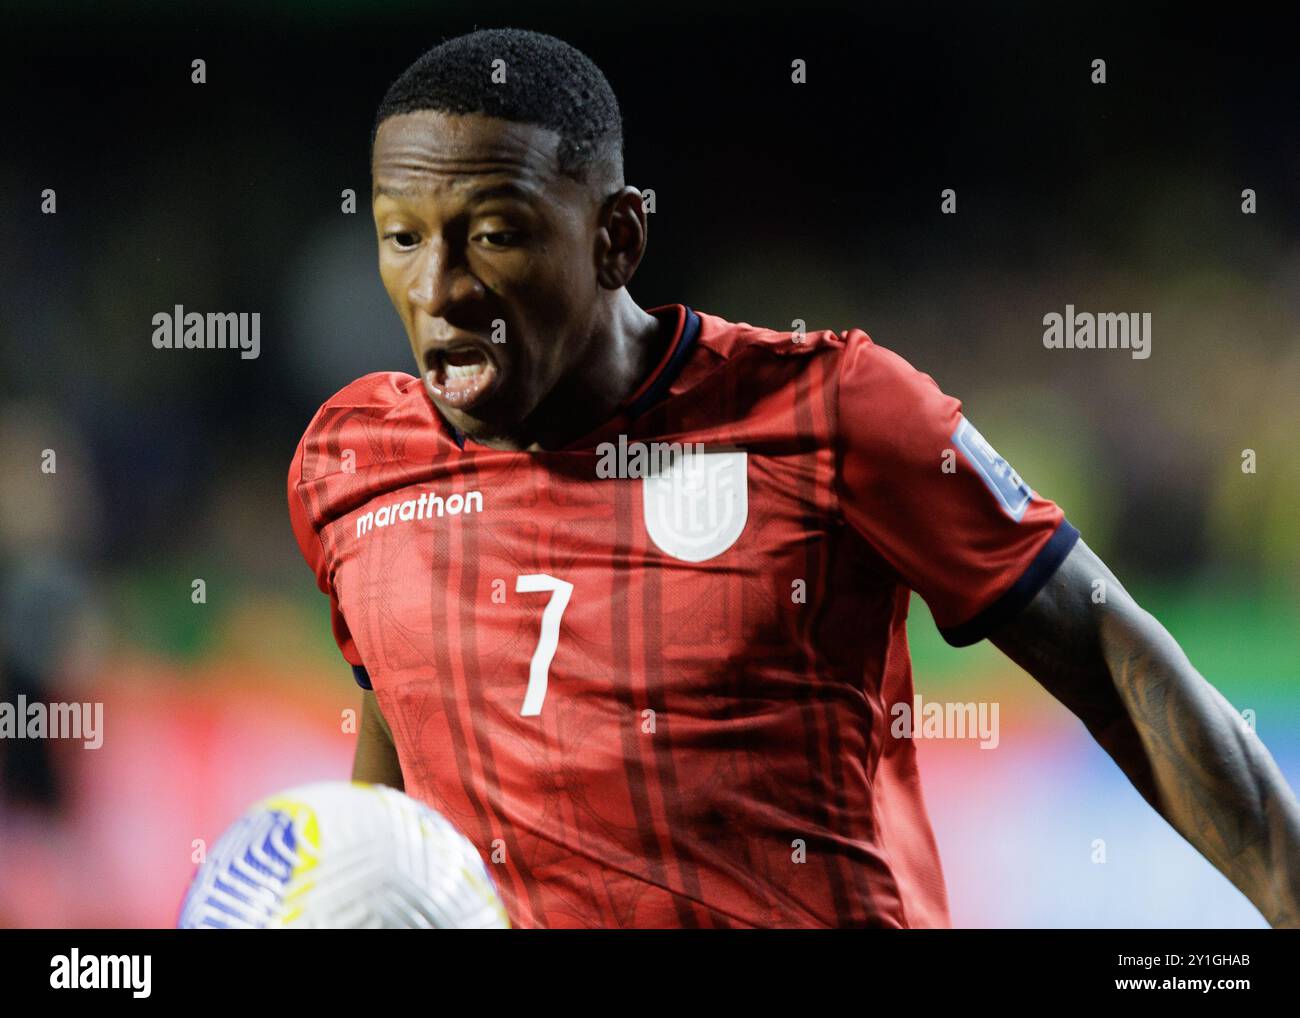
621	351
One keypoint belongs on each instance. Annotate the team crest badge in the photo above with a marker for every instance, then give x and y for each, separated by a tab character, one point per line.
696	508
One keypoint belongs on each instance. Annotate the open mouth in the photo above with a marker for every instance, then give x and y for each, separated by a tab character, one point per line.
461	376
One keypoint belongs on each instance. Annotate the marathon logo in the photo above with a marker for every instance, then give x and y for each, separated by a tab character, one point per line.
425	507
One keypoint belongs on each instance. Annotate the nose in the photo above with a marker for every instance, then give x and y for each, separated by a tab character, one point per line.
442	281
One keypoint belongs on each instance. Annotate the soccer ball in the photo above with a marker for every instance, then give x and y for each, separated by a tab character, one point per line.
342	855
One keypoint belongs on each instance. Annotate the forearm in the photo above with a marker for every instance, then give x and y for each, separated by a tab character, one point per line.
376	758
1194	758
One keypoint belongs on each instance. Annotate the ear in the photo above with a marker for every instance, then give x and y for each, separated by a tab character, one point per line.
621	233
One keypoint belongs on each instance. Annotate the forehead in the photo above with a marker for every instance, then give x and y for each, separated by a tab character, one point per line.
430	151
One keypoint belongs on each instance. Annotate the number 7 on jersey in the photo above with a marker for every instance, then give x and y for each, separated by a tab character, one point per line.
540	667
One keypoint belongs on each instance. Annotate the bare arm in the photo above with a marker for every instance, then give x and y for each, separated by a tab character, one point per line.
1183	746
376	757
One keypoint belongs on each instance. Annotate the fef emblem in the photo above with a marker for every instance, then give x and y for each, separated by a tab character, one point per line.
696	508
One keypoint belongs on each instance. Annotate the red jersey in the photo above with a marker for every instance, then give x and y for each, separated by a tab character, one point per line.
656	691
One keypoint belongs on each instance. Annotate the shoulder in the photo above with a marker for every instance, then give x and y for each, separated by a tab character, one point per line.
376	400
760	361
731	340
869	370
857	359
884	401
871	383
375	394
357	438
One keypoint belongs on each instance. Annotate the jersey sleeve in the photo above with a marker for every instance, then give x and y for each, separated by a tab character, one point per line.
935	500
303	520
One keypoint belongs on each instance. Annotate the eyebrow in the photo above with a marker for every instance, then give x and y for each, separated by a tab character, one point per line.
506	189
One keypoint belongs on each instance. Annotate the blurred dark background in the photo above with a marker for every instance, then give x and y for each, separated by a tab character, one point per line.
775	202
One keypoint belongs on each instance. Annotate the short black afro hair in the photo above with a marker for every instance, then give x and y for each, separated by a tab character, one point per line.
547	83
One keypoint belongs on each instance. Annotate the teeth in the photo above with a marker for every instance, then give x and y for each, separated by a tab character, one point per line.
463	370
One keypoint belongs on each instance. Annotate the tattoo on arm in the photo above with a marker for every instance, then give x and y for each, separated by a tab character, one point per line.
1183	746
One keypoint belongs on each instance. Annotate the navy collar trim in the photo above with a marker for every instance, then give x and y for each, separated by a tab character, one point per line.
659	388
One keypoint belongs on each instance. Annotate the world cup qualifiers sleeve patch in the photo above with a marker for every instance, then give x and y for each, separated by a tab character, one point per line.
1013	494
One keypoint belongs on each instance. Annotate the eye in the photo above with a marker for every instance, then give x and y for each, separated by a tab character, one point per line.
500	238
404	239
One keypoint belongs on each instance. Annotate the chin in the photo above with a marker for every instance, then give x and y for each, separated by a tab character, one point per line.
481	425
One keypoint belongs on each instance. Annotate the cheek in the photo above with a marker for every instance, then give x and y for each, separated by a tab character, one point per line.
559	299
390	278
397	287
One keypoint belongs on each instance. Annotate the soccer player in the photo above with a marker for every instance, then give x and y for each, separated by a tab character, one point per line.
626	590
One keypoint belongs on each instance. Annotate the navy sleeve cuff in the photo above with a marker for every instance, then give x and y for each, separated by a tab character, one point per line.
1031	581
362	677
